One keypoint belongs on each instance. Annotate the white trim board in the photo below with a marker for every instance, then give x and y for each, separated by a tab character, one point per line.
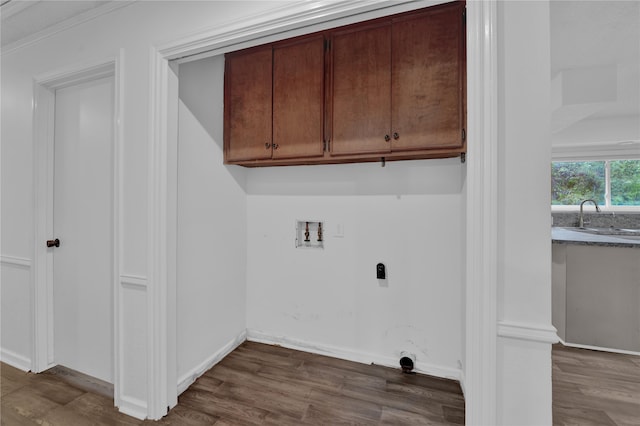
481	275
350	355
15	360
540	333
15	261
192	375
598	348
133	407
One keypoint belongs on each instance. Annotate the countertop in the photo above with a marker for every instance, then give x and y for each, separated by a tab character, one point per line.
595	237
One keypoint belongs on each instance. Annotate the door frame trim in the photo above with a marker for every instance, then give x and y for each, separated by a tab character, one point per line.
481	271
481	255
44	87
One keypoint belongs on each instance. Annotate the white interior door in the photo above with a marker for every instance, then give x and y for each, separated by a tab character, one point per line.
83	222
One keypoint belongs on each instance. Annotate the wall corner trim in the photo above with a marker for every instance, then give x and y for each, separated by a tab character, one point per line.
534	332
192	375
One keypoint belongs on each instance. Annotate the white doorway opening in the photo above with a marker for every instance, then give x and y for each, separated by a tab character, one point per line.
77	202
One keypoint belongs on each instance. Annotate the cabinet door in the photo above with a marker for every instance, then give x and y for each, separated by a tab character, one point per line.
427	79
298	99
361	66
248	105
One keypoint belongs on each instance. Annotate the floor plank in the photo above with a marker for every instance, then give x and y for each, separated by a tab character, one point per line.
80	380
28	404
595	388
256	384
271	385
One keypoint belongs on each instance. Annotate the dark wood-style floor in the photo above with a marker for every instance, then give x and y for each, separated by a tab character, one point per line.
261	384
255	384
595	388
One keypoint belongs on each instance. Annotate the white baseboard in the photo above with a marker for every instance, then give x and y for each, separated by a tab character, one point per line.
350	355
462	384
187	379
133	407
599	348
15	360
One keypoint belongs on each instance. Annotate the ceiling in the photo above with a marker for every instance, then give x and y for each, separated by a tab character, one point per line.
24	19
595	72
594	33
595	57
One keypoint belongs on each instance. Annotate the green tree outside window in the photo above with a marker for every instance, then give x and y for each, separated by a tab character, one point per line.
575	181
625	183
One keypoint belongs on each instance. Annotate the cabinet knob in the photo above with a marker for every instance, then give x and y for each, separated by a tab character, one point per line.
396	136
387	138
275	146
267	145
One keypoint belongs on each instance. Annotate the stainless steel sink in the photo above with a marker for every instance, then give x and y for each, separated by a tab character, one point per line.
616	232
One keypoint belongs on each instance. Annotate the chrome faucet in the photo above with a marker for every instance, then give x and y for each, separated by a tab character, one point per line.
581	220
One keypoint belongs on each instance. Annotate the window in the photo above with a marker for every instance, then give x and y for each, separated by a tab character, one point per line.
612	183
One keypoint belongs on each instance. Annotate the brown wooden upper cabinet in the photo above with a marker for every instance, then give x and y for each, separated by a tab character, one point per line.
399	85
247	112
391	88
274	102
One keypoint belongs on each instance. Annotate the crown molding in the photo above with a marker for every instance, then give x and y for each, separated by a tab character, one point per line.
270	23
12	7
61	26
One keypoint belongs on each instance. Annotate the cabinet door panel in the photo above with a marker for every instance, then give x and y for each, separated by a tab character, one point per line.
427	80
248	106
298	99
361	65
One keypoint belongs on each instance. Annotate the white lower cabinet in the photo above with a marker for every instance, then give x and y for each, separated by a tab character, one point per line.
596	295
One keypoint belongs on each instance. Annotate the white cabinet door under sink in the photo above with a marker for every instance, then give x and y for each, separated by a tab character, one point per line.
603	297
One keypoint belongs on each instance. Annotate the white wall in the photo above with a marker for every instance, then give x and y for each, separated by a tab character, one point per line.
16	217
524	240
406	215
211	234
129	32
595	70
525	291
603	131
16	311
